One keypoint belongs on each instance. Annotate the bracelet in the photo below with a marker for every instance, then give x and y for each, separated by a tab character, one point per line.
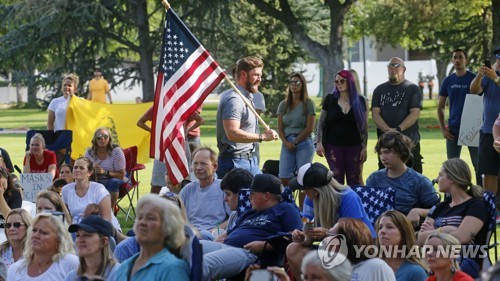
260	137
107	173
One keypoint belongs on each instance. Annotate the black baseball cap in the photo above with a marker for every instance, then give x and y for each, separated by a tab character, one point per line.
311	175
266	183
93	224
497	51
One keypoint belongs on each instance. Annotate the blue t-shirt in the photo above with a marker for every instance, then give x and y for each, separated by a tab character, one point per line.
162	266
408	271
491	102
126	249
413	190
255	225
350	207
456	88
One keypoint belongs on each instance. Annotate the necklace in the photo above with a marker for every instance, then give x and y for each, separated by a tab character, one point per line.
43	267
344	105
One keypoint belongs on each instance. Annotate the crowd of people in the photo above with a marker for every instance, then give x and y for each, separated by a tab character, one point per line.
72	231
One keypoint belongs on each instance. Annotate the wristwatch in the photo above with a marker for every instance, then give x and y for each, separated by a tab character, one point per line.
497	79
398	129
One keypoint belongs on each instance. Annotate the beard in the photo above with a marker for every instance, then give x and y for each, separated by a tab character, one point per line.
393	78
251	88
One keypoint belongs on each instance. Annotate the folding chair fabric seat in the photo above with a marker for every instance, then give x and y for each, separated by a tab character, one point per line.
376	200
129	191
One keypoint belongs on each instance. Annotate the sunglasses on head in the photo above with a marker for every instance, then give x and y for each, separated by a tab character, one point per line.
15	224
393	65
341	81
102	137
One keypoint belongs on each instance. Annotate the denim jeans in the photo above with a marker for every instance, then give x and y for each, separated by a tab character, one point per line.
226	164
453	150
223	261
291	161
112	184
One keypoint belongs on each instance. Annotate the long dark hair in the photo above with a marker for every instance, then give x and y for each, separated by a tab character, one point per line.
304	96
10	183
357	107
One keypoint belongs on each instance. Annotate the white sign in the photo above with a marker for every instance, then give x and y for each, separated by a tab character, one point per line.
472	120
33	183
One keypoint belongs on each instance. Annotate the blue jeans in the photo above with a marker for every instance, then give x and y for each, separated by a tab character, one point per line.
453	150
291	161
226	164
112	184
223	261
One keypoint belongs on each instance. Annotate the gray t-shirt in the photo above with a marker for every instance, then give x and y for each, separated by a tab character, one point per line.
205	207
395	102
295	121
259	102
232	107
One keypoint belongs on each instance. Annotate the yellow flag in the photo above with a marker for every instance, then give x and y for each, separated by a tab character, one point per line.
83	117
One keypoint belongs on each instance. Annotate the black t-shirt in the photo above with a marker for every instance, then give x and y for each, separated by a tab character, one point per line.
340	129
395	102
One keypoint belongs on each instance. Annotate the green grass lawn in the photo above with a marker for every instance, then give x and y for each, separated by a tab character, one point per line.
432	143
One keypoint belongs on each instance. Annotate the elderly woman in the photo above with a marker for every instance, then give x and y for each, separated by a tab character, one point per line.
38	159
92	241
17	223
49	254
10	197
58	106
82	192
313	269
296	117
159	229
442	258
109	162
49	201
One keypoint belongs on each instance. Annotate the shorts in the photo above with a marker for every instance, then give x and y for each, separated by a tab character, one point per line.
158	175
489	158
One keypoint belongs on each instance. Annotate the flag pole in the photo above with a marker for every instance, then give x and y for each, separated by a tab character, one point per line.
245	100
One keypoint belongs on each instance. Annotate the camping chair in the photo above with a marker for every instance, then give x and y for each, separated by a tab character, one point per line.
130	189
490	202
59	142
376	200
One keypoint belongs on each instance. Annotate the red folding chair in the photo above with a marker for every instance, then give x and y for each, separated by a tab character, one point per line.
130	189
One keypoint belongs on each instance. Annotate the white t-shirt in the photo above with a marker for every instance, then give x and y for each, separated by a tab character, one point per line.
77	204
57	271
59	106
372	269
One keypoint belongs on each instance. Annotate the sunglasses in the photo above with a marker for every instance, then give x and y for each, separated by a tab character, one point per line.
341	81
15	224
393	65
172	197
295	82
102	137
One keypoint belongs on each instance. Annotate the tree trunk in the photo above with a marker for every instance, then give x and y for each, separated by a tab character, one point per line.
495	6
145	51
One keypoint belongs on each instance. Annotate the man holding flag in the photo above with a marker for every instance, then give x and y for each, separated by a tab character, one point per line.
237	123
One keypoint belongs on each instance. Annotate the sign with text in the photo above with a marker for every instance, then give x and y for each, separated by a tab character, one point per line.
33	183
472	120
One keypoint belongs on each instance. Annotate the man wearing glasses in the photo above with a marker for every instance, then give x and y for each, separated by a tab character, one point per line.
487	83
396	106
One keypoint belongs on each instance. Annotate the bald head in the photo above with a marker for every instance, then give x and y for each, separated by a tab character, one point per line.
396	70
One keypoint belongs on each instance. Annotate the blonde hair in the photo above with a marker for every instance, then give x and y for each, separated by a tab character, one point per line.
171	218
446	240
58	203
106	259
65	242
73	78
39	137
26	218
459	172
326	205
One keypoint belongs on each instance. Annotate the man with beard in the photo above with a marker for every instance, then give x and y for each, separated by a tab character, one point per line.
396	106
455	87
237	126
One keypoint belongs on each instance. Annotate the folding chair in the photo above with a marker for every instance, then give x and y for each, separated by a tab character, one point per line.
130	189
490	202
59	142
376	200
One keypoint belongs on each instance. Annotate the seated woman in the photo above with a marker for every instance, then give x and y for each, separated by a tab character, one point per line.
38	159
441	259
331	201
79	194
93	236
49	201
159	230
10	198
17	223
312	266
49	255
395	231
5	161
463	215
109	162
66	172
364	265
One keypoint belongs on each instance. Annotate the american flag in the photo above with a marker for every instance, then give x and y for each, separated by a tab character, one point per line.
187	74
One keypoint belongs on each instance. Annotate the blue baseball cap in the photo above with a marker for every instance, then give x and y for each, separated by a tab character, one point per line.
93	224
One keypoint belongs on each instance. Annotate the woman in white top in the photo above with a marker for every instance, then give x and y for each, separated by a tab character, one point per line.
16	225
79	194
49	253
58	106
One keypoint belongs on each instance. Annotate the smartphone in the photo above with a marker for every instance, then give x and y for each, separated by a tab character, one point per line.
261	275
487	62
